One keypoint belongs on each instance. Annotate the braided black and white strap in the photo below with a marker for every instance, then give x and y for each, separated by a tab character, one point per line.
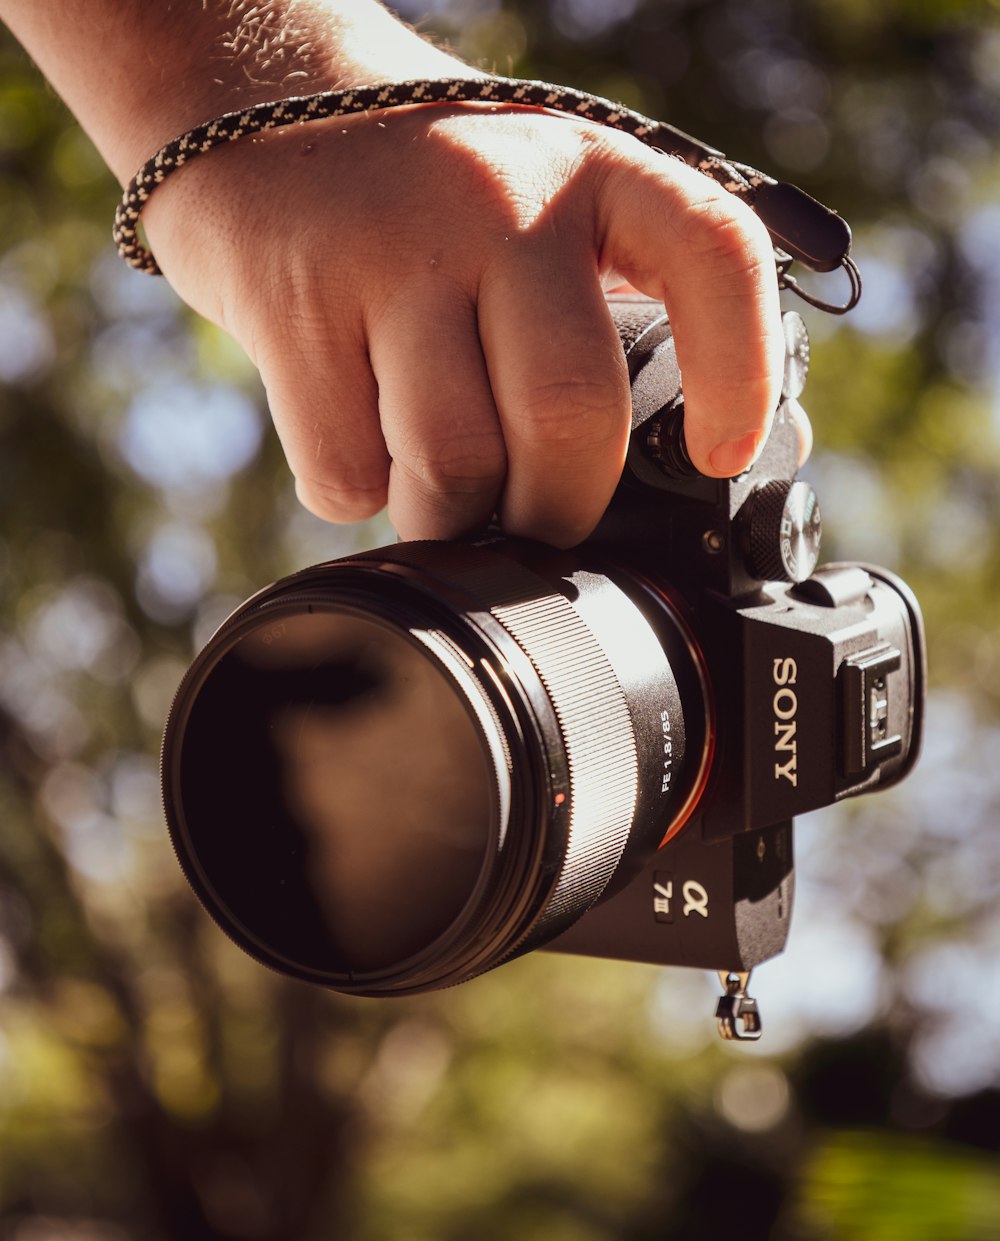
758	190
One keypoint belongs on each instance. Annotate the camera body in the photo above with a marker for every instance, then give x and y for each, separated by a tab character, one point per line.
390	773
816	683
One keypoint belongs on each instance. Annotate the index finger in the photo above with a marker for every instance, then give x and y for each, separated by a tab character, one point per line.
678	236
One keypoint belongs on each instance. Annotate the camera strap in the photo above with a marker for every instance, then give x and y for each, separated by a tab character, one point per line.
802	229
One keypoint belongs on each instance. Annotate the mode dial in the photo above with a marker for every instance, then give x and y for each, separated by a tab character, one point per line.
780	531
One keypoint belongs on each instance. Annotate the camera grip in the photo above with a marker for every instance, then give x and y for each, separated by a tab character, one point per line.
634	315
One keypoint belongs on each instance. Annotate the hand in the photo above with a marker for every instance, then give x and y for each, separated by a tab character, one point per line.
422	292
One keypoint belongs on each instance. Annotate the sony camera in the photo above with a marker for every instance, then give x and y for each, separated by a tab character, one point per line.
389	773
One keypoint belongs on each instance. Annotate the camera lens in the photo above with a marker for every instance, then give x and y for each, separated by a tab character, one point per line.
390	773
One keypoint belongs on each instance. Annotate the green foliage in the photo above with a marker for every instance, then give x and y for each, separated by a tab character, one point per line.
863	1186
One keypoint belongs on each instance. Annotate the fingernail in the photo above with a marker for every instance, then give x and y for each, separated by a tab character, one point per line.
734	456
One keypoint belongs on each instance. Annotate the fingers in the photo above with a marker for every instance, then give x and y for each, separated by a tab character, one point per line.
536	429
679	237
438	416
561	387
506	388
324	403
517	405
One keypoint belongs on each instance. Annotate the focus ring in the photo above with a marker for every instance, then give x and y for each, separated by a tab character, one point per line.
598	739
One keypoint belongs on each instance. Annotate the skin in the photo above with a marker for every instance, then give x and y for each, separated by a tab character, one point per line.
422	289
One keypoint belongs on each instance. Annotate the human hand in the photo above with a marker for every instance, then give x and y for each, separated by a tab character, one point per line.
422	292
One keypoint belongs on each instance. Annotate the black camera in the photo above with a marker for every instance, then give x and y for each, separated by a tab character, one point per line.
392	772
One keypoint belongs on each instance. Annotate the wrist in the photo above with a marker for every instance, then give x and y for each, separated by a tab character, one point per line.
288	48
136	75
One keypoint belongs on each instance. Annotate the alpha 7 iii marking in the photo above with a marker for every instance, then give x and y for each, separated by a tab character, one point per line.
694	893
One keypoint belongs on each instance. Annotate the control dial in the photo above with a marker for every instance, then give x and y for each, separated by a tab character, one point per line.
780	531
796	355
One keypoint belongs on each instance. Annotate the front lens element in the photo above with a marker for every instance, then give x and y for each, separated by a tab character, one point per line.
340	790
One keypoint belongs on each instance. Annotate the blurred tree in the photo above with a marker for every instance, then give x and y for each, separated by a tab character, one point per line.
153	1082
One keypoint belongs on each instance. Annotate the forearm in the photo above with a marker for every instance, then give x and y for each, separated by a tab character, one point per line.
136	73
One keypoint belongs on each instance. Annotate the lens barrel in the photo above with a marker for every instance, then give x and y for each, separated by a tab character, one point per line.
390	773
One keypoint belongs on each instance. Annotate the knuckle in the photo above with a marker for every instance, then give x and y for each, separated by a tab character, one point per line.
613	163
603	147
455	465
570	413
723	233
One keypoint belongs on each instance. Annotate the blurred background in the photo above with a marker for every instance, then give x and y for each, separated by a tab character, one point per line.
155	1083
